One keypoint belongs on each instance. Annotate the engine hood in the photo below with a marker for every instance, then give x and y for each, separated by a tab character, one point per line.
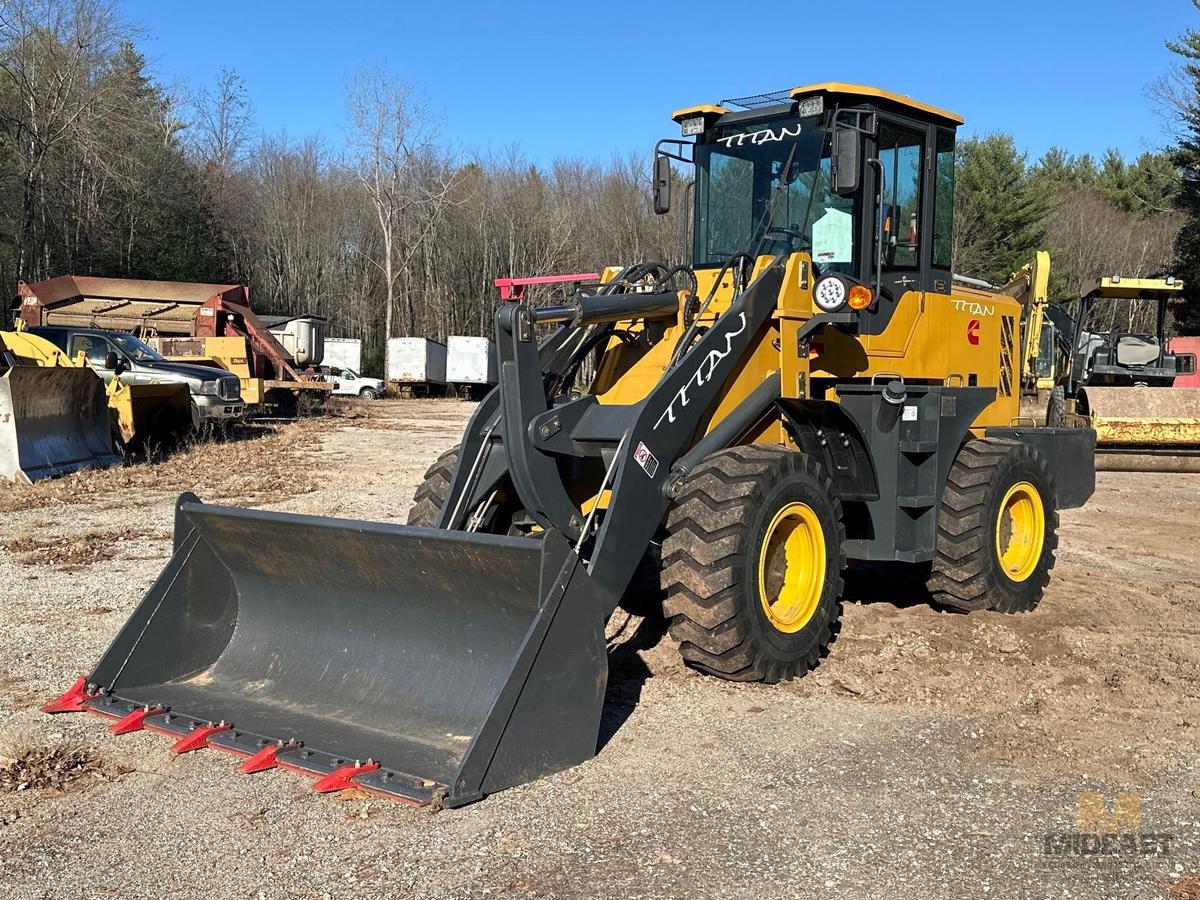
187	370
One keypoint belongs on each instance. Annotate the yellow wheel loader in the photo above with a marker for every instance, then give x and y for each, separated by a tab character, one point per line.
53	415
814	388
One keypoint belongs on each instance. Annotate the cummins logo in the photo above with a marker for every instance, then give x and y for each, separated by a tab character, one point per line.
703	374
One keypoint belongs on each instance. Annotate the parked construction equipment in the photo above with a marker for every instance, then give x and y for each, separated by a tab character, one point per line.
206	324
54	416
813	388
1123	382
155	399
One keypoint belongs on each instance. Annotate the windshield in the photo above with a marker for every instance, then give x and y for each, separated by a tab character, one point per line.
135	349
738	168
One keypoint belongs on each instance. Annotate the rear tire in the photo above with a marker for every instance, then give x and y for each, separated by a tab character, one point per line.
736	608
1056	407
432	494
997	529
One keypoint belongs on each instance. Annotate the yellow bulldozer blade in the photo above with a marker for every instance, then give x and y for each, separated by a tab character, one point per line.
53	421
1141	429
149	414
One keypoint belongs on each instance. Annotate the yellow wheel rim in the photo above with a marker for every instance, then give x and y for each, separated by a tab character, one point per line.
1020	531
791	567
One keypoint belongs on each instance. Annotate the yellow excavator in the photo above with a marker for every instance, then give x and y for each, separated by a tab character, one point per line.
812	388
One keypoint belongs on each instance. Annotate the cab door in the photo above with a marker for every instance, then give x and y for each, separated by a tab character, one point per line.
900	149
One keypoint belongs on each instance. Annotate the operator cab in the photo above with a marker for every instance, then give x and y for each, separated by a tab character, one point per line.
860	178
1106	354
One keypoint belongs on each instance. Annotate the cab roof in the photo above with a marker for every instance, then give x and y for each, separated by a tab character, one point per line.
833	89
1118	288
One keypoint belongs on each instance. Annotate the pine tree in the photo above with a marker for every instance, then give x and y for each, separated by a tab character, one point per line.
1001	206
1187	158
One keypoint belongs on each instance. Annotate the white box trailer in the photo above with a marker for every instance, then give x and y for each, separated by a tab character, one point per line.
416	361
470	360
344	353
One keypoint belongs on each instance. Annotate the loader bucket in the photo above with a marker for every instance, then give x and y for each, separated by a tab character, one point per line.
427	665
1145	429
53	421
148	414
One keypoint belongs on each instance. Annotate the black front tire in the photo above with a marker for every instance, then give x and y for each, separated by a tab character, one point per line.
712	564
368	394
432	494
968	571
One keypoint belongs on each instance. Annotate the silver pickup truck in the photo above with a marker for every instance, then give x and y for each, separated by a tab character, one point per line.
216	394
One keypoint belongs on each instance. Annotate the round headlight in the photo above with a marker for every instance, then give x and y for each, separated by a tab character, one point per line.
830	293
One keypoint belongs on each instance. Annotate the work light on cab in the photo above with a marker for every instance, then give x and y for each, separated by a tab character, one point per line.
830	293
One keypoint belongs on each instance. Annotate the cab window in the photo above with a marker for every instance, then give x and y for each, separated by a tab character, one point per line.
92	347
901	151
943	201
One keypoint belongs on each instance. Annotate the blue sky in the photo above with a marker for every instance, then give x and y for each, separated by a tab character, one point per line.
588	80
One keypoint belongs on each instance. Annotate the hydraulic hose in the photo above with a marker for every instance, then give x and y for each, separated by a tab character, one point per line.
685	340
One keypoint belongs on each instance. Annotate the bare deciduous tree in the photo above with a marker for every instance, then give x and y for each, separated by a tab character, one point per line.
393	155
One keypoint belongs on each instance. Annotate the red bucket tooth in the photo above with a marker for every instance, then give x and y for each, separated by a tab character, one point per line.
266	757
72	700
198	737
135	721
340	779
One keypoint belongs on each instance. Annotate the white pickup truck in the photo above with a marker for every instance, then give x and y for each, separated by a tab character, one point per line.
347	382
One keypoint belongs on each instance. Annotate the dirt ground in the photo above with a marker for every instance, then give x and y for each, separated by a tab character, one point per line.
929	756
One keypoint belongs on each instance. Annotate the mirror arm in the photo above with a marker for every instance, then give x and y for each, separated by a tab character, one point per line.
659	151
661	172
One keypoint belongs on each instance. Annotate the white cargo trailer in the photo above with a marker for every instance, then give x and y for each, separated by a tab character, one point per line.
470	362
344	353
417	365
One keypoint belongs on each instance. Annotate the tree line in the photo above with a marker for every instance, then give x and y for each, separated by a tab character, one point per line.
105	170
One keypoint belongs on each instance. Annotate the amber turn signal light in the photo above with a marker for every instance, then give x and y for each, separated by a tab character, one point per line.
860	297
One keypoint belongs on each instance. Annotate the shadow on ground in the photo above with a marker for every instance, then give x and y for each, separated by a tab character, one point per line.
900	585
627	671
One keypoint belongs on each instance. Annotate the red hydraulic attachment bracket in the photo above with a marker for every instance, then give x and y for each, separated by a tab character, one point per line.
266	757
342	778
198	738
514	288
72	700
136	720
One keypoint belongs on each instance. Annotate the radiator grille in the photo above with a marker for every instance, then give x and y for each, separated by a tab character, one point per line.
1007	355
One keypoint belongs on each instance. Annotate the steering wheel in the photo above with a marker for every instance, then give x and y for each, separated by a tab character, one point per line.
797	239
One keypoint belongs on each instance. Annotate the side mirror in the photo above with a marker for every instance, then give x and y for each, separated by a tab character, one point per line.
111	360
845	163
662	185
